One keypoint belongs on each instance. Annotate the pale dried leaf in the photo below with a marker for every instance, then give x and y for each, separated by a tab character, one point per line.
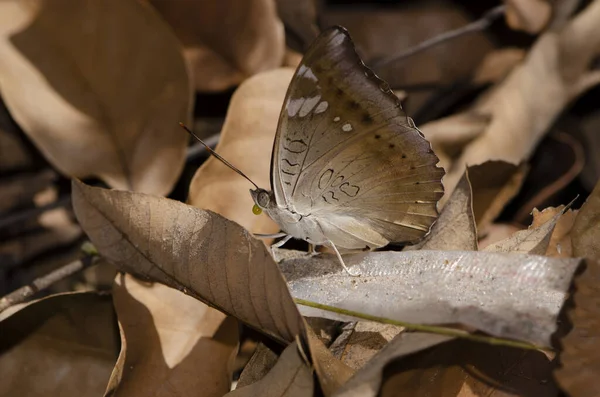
367	381
226	41
455	228
556	69
535	240
497	64
195	251
560	242
290	377
494	185
62	345
107	97
246	142
508	295
497	232
168	337
528	15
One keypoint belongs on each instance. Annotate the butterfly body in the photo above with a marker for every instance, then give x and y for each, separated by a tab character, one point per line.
349	168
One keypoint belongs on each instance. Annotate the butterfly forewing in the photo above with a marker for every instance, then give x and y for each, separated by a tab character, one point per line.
347	155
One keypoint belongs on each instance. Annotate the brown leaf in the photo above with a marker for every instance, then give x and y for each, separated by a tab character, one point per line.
577	373
300	19
167	338
259	365
497	65
290	377
494	184
455	228
13	154
464	368
226	41
497	232
557	68
535	240
198	252
585	234
560	242
246	141
332	373
528	15
108	97
62	345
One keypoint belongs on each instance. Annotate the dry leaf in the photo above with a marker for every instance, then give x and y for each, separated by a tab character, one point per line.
555	69
560	242
167	338
13	154
290	377
455	228
226	41
331	372
466	369
300	20
497	232
195	251
528	15
110	85
259	365
585	233
246	142
579	361
508	295
497	64
62	345
494	184
535	240
367	381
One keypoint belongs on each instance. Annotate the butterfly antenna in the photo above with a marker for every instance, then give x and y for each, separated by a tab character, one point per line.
217	155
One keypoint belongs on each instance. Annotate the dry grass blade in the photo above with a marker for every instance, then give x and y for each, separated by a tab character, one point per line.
195	251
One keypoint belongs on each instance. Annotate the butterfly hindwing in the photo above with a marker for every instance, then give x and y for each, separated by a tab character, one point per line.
346	154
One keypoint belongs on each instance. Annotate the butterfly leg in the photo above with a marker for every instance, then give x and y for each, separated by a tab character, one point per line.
272	235
283	241
339	256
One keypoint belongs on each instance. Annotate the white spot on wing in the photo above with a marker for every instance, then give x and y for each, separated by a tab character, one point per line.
307	73
293	106
308	105
347	127
322	107
336	119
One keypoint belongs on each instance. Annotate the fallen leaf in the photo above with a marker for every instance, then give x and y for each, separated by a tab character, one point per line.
579	361
560	241
226	41
530	16
466	369
168	241
259	365
585	233
66	343
367	382
557	68
535	240
168	336
455	228
246	141
497	232
494	184
507	295
497	65
290	377
108	97
300	20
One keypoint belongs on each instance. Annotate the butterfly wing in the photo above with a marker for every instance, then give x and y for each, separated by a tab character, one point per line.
347	155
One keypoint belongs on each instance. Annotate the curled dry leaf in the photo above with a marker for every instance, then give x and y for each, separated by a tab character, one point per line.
585	234
367	381
494	184
65	342
560	242
497	64
226	41
104	106
455	228
508	295
497	232
556	69
290	377
195	251
535	240
259	365
246	142
167	336
528	15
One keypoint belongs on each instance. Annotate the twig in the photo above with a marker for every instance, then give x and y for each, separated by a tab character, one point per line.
41	283
473	27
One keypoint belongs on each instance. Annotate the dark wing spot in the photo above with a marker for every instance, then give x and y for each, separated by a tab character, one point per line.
325	178
353	105
403	156
349	190
367	119
377	136
392	146
339	92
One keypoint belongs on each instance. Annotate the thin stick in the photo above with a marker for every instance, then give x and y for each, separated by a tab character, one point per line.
41	283
218	156
473	27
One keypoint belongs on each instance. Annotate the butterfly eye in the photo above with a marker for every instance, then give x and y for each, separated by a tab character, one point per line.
256	210
263	199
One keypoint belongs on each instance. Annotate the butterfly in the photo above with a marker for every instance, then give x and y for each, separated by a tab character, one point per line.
349	168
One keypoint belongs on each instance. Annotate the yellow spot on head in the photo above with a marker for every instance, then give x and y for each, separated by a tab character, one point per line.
256	210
